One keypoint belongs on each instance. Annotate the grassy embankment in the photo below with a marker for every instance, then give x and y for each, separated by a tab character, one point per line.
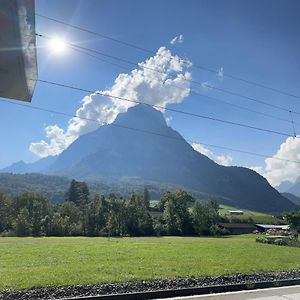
37	262
257	217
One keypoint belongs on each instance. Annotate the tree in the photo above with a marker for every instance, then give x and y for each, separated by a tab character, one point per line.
146	198
6	212
293	218
117	217
213	204
37	215
70	210
37	207
46	224
98	215
59	225
139	221
23	224
84	193
72	217
176	214
78	193
204	218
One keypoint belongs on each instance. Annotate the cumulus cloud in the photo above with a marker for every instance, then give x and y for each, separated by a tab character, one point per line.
224	160
58	141
177	40
276	170
142	84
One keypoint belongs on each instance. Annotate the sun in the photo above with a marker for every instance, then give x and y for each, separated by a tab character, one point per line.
58	45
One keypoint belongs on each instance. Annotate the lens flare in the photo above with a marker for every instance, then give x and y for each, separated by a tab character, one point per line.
58	45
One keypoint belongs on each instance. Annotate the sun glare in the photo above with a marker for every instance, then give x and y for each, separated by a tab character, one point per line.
58	45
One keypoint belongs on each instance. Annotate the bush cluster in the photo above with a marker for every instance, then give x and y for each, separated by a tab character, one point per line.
291	240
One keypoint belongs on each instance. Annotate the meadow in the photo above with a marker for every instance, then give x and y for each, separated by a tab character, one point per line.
257	217
60	261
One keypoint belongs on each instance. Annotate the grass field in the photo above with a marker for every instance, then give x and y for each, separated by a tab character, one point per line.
37	262
257	217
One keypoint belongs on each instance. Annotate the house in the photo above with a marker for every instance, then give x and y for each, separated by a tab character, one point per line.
237	228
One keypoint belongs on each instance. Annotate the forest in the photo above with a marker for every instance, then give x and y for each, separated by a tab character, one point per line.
177	213
83	214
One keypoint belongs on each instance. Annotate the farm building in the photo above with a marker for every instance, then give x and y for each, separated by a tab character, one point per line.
237	228
235	212
266	227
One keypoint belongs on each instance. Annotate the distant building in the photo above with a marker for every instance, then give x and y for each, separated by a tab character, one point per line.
235	212
18	64
237	228
266	227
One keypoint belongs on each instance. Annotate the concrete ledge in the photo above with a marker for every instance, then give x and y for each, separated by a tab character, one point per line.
284	293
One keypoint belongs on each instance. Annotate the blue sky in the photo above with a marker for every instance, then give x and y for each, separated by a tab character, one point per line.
255	40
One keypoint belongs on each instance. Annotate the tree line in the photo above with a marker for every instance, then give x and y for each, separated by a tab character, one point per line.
31	214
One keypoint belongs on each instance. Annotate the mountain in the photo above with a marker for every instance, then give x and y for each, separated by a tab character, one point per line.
295	188
139	144
284	186
292	197
53	187
21	167
289	187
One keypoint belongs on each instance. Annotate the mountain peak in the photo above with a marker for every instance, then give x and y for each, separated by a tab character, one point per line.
115	152
142	116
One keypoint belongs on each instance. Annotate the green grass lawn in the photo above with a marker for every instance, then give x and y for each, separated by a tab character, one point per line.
258	217
40	262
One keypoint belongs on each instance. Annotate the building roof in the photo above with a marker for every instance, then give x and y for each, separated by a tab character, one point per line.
237	225
18	65
271	226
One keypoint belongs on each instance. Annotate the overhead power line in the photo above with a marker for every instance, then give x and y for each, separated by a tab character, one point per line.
32	107
166	108
194	91
234	77
72	45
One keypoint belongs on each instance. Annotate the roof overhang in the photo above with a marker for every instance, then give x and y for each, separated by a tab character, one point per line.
18	63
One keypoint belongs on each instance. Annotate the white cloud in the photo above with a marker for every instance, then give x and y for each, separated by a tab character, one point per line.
224	160
143	84
177	40
58	141
221	73
276	170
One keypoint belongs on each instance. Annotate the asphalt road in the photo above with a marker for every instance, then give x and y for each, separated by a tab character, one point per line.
282	293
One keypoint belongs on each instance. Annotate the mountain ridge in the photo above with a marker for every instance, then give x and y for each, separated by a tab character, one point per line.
140	144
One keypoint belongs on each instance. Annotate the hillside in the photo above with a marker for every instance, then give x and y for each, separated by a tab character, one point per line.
257	217
21	167
139	145
53	187
292	198
295	188
116	150
290	188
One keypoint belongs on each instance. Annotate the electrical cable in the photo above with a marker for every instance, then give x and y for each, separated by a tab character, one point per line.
146	131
